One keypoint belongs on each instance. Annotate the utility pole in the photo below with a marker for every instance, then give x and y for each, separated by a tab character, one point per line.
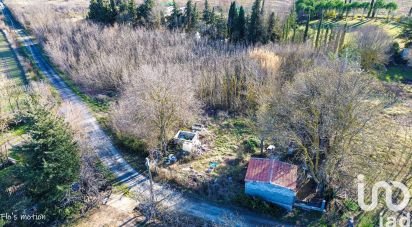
152	202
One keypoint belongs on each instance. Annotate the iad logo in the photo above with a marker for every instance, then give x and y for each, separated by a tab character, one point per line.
391	221
388	195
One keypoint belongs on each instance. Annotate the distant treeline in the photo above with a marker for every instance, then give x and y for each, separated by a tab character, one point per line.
237	25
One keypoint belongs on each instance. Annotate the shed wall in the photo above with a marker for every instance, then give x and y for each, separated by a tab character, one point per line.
281	196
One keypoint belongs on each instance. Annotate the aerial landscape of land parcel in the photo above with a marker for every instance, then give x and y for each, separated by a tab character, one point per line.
318	101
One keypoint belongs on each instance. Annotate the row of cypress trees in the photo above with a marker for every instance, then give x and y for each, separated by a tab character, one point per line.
237	25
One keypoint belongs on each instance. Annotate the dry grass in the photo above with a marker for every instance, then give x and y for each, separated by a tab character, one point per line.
223	139
268	60
74	9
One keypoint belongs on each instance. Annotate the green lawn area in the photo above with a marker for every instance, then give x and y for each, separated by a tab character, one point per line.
391	27
9	64
398	73
13	196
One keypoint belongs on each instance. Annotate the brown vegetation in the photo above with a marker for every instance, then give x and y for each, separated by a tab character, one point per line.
327	108
374	46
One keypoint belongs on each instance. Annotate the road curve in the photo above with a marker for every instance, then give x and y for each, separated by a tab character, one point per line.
111	157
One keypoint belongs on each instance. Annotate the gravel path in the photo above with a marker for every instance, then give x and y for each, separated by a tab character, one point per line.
111	157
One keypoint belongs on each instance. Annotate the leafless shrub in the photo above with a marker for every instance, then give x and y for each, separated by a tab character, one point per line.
100	60
295	58
373	45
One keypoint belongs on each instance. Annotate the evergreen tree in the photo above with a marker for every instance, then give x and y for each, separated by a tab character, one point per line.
290	24
379	4
256	29
53	161
190	17
240	26
220	26
145	15
112	12
194	19
207	13
231	20
93	10
175	19
132	11
103	11
263	38
272	33
97	11
213	16
307	6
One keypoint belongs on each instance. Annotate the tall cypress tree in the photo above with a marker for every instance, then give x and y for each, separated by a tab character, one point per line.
112	12
93	10
190	17
194	19
272	34
263	38
175	19
220	27
231	20
256	30
187	17
145	15
207	13
132	11
289	24
98	11
240	26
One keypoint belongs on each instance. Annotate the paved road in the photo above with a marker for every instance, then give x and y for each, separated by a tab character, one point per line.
111	157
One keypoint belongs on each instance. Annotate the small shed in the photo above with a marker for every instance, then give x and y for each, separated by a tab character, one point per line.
272	180
188	140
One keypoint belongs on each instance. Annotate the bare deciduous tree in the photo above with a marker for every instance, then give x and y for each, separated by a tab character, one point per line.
155	102
323	112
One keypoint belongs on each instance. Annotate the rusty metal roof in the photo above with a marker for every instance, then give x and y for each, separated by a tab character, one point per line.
272	171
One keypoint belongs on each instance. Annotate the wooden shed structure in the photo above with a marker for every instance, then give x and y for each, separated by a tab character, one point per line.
273	181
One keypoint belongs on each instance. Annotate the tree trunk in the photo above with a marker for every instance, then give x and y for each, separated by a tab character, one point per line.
371	8
261	146
347	10
305	35
325	38
319	28
374	12
342	38
410	12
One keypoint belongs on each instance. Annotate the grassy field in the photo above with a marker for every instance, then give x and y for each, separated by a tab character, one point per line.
13	198
10	67
399	73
